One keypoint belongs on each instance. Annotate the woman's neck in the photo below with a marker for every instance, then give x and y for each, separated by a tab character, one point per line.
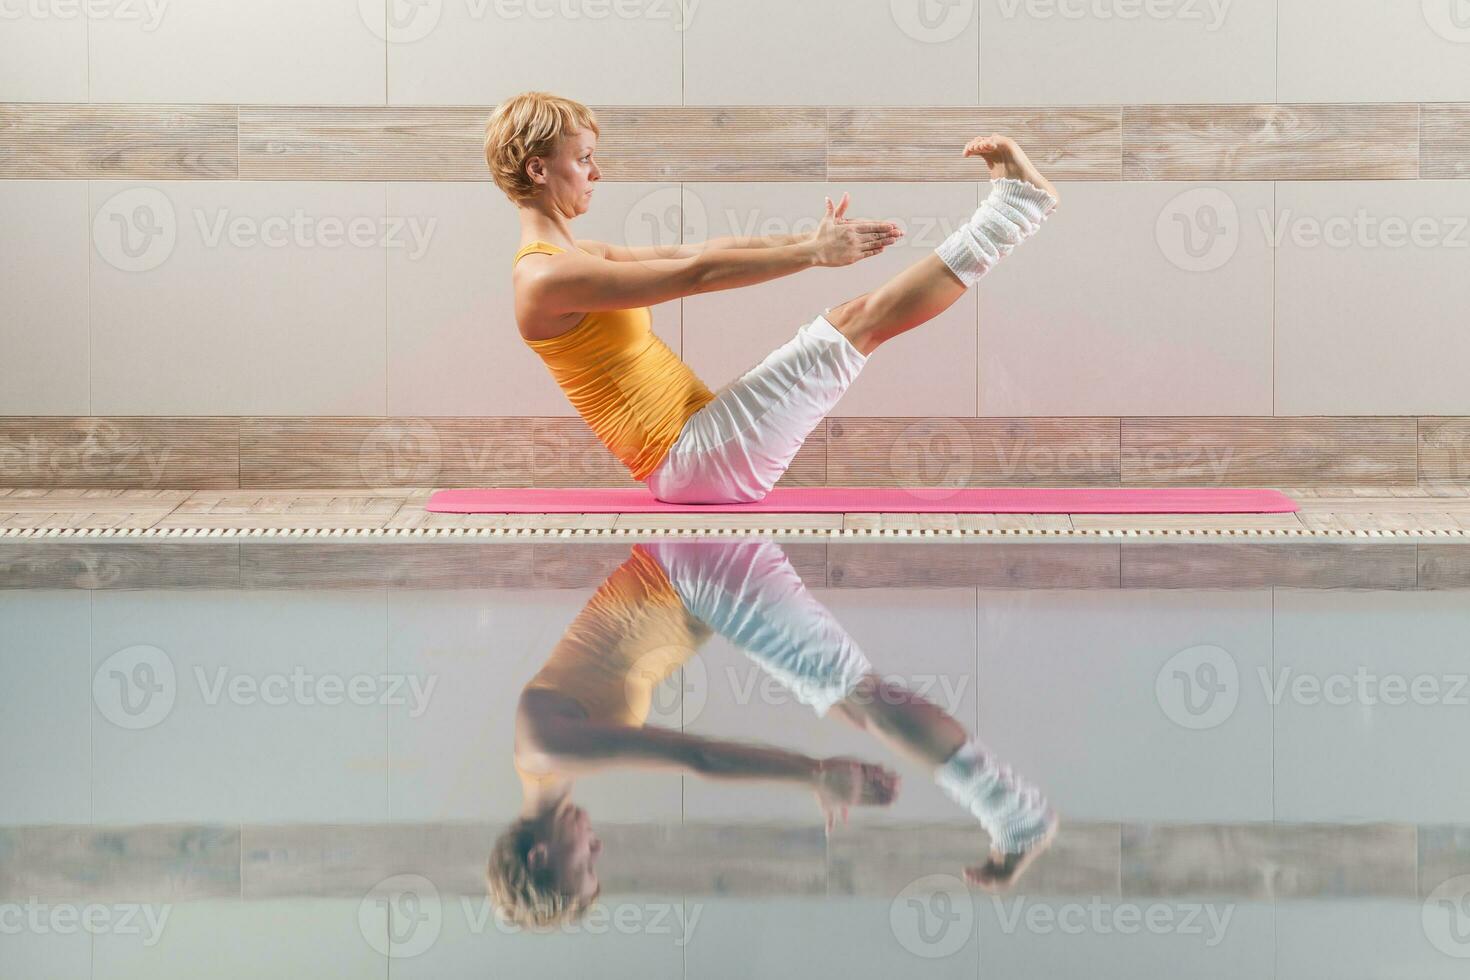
539	227
542	797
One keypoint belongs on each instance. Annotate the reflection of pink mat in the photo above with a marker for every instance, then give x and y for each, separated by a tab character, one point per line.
860	500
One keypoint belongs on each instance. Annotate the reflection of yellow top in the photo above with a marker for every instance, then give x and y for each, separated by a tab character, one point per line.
632	634
632	390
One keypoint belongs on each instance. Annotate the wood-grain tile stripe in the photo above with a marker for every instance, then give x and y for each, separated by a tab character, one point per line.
1222	452
118	141
744	143
1444	450
674	143
926	143
138	452
1270	142
934	454
1444	140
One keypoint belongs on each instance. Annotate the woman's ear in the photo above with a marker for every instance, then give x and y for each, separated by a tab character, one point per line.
539	856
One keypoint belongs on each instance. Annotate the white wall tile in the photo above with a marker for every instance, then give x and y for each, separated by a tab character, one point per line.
1374	51
831	52
1340	757
834	936
453	345
1050	52
262	755
277	321
481	52
1080	690
43	277
1134	298
623	937
1109	938
1367	321
47	954
45	708
1367	938
279	52
43	52
927	371
291	937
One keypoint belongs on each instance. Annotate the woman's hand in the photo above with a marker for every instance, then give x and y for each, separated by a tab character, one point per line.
843	782
839	241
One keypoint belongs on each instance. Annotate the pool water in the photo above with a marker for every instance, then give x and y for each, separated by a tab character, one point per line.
294	758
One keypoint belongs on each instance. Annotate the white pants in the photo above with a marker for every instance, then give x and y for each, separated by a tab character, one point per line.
748	592
735	448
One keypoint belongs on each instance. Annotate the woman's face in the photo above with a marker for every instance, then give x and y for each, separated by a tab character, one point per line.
574	849
571	173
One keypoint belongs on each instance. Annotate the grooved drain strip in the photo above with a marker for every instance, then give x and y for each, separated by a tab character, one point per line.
425	533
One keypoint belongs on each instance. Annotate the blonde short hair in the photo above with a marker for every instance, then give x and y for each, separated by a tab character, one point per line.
524	896
529	125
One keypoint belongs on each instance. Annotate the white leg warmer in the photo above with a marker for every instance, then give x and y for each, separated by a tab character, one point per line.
1013	813
1013	212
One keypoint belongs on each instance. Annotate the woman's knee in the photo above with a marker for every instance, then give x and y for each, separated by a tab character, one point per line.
849	313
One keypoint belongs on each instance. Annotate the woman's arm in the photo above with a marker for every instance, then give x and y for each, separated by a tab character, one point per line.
642	253
574	745
582	282
553	742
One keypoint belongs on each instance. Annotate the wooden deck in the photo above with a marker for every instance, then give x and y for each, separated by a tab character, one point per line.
1438	511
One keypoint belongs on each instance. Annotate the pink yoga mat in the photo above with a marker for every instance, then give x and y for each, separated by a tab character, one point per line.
859	500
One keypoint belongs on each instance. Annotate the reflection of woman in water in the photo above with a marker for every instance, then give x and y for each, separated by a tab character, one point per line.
586	709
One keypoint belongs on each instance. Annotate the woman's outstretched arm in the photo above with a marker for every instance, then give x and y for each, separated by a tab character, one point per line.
581	282
642	253
550	741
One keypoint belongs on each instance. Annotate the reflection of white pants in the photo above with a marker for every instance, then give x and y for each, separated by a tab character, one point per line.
748	592
735	448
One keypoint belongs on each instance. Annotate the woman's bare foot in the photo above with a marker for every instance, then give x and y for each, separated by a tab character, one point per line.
1002	869
1005	158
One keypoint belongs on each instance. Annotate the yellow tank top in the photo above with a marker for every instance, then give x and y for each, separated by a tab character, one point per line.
631	389
632	634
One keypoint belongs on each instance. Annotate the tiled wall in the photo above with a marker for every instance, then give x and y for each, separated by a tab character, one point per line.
273	220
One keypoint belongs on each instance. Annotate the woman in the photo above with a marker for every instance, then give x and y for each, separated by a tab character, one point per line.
586	711
583	307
